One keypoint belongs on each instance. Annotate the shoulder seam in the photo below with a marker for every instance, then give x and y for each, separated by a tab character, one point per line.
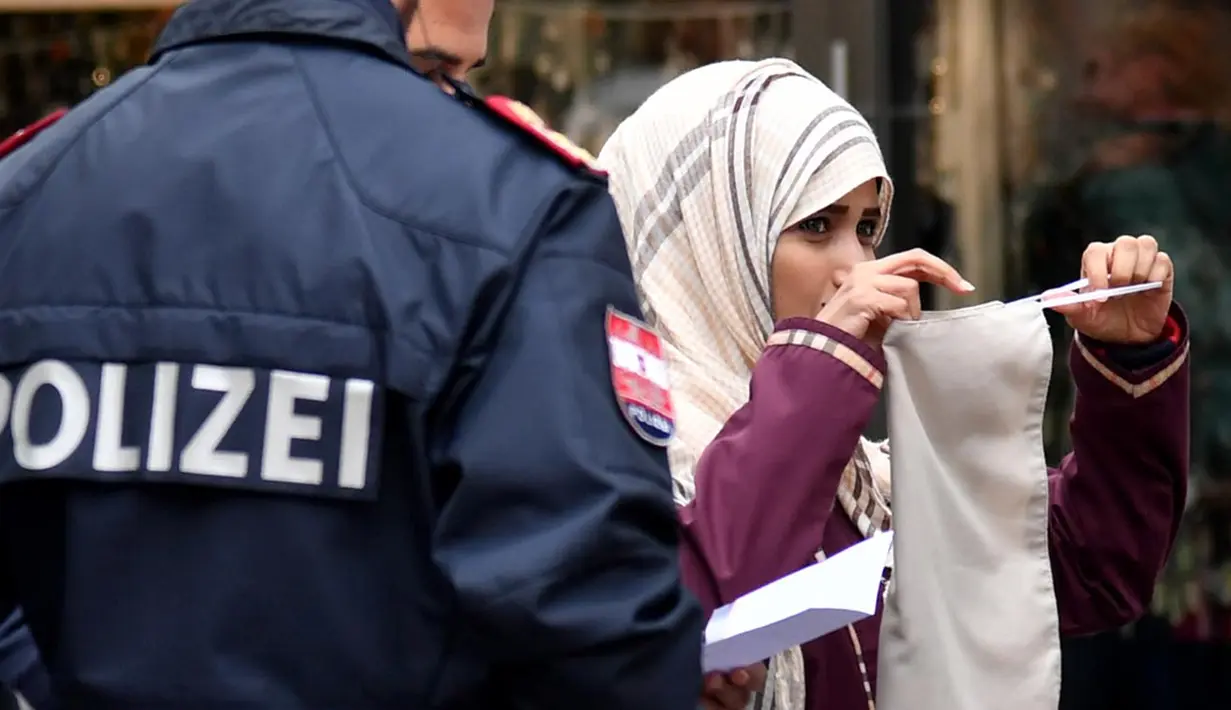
364	197
519	260
21	196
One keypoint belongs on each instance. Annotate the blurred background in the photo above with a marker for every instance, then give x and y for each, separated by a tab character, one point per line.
1016	131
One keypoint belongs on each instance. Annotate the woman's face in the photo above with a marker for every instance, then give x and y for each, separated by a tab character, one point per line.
815	255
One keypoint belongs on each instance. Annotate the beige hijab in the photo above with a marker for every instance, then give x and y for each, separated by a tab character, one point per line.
706	175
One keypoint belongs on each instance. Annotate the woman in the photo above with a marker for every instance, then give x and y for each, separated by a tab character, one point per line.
751	194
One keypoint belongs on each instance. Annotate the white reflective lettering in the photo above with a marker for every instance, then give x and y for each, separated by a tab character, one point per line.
284	425
74	415
201	455
161	449
356	434
185	432
109	453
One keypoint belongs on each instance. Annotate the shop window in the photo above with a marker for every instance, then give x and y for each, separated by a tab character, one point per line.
1118	116
54	60
586	66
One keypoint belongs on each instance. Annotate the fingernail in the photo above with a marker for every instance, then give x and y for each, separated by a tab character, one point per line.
739	677
966	286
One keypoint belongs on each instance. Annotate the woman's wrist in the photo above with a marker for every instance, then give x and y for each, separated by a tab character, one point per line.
1142	356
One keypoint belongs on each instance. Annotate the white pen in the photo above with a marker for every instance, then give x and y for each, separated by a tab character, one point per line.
1098	294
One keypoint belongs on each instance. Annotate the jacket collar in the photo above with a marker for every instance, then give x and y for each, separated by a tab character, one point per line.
372	23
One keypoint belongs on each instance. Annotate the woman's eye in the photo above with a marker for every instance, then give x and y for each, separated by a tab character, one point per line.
866	229
816	225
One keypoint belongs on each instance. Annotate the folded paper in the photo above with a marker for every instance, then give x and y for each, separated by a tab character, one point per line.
798	608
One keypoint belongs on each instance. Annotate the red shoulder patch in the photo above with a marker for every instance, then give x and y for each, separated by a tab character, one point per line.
27	134
639	375
525	118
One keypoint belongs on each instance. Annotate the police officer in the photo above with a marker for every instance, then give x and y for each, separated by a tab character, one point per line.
21	669
307	394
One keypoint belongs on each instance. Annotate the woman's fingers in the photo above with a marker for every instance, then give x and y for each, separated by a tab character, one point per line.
1161	270
903	287
1123	262
922	266
1126	261
915	304
720	692
875	293
1147	252
1096	265
752	677
889	306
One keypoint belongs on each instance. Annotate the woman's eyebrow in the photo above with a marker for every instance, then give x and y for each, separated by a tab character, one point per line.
872	212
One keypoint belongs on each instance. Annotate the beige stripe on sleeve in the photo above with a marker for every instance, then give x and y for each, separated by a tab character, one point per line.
829	346
1133	390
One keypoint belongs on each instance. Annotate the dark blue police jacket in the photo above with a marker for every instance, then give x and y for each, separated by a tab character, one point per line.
306	400
20	666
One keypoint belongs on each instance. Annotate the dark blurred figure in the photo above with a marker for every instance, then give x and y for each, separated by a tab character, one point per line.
1157	94
21	668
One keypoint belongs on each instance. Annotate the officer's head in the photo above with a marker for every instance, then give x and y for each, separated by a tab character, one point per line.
447	38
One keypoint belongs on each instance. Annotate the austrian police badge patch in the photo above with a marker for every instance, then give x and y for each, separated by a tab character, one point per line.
639	375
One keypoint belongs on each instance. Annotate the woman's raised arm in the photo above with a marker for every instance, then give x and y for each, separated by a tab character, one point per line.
766	485
1116	500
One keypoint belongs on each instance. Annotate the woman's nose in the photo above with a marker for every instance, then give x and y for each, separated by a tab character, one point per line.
846	254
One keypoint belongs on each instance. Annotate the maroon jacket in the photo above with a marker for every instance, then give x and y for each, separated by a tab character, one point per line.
766	489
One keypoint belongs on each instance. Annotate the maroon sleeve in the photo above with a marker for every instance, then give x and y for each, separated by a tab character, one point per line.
1116	500
766	485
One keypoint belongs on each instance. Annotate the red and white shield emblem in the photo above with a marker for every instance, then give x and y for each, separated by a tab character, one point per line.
639	375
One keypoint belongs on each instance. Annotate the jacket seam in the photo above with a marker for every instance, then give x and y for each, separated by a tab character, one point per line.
344	169
129	308
20	198
526	250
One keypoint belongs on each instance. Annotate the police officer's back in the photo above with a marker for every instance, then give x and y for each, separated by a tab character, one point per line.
306	401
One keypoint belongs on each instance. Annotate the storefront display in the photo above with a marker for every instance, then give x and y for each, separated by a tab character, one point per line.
50	60
1035	127
1062	122
80	6
581	65
1137	139
584	66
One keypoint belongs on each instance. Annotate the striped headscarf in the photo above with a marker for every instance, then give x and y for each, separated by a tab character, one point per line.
706	175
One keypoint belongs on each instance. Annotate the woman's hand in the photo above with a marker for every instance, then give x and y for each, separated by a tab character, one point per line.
1137	318
732	691
876	293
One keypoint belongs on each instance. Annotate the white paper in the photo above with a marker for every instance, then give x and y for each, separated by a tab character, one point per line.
798	608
